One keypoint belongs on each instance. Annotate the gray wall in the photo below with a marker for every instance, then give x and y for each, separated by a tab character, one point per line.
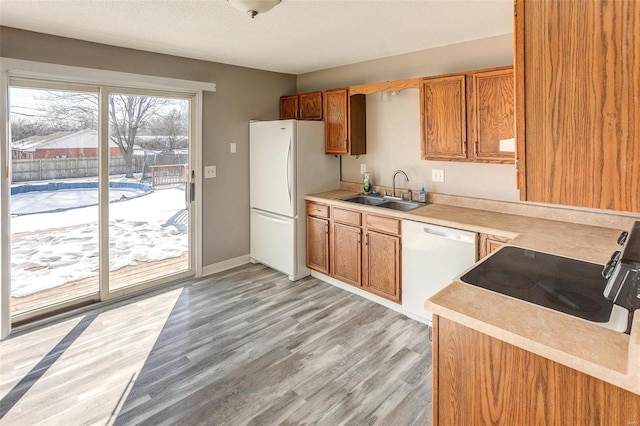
393	128
242	94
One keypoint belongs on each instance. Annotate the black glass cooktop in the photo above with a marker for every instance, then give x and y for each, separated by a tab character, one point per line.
566	285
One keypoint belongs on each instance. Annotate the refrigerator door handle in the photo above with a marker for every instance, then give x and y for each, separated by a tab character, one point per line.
289	170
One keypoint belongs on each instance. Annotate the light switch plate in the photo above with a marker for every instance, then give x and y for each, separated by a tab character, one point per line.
363	169
437	175
233	147
209	172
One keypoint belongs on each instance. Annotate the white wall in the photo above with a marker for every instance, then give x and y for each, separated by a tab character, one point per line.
393	128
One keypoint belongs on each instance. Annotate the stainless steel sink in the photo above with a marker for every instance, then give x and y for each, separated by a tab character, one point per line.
393	204
363	199
400	205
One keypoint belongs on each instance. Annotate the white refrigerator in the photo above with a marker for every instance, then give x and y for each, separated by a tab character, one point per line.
287	161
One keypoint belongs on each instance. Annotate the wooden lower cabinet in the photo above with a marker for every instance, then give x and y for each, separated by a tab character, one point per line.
381	265
346	253
490	243
318	244
478	379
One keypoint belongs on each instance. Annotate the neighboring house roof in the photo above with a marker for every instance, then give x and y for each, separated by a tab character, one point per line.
86	138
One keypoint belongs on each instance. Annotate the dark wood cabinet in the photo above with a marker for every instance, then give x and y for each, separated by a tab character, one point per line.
345	123
577	66
478	379
465	116
304	106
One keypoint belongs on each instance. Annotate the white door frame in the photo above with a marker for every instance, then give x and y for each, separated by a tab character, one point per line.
61	73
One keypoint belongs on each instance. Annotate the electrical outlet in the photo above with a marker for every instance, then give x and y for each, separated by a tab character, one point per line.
209	172
363	169
233	147
437	175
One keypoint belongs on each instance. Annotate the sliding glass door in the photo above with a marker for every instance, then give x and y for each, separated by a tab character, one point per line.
54	196
149	200
101	193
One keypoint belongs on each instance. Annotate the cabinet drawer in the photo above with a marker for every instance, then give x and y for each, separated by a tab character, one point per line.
348	217
318	210
383	224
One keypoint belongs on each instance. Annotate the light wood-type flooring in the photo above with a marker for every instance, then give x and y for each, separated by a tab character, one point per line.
245	346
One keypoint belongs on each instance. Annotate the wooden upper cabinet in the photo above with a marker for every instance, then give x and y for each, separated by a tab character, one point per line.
492	116
305	106
443	118
310	106
578	103
465	116
345	123
289	107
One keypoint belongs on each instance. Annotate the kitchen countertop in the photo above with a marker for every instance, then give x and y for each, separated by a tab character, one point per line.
608	355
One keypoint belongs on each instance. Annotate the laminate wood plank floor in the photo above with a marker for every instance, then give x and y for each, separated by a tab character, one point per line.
242	347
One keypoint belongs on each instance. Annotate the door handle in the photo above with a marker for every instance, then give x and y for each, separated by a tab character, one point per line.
288	168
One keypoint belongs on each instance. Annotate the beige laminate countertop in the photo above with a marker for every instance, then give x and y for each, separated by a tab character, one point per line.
605	354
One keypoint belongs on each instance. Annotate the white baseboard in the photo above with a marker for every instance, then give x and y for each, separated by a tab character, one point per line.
377	299
225	264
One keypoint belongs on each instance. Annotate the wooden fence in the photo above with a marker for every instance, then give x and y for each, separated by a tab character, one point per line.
66	168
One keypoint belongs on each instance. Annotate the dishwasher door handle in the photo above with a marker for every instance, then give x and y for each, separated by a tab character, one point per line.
449	235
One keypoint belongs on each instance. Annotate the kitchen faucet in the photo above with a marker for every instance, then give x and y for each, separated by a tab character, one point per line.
393	185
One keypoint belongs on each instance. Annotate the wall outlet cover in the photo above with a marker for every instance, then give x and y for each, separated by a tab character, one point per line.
437	175
209	172
363	169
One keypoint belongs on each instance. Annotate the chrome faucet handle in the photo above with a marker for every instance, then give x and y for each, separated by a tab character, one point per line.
406	192
382	192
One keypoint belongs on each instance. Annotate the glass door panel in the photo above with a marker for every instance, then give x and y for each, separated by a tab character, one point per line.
149	220
54	197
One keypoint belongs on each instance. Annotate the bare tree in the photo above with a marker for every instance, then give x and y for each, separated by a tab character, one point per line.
22	128
171	127
127	115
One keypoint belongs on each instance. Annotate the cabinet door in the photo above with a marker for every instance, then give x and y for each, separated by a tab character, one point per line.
578	109
443	118
492	115
335	121
480	380
382	265
311	106
489	244
289	107
318	244
346	255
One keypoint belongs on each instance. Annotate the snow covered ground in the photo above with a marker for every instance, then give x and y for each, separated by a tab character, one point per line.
51	249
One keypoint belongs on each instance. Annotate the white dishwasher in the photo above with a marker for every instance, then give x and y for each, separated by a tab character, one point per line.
431	257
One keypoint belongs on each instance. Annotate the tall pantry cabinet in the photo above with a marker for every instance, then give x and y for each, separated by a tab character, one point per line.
577	66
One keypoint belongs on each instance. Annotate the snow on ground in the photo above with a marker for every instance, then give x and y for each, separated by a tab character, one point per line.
65	247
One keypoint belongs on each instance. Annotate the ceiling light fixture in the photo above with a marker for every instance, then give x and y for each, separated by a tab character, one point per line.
254	7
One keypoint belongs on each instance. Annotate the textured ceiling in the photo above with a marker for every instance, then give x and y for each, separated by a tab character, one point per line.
295	37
